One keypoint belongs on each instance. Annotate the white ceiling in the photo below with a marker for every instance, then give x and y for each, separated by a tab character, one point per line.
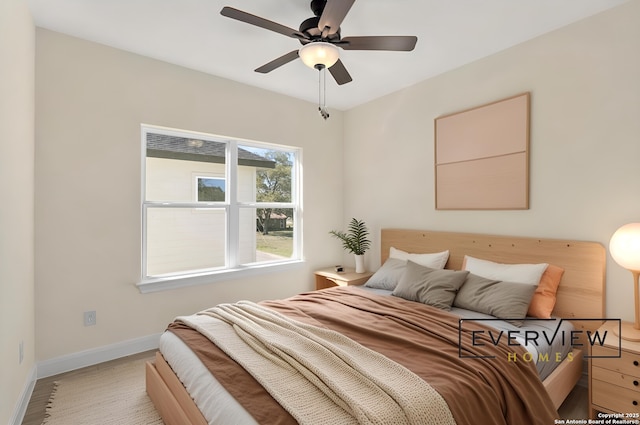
192	33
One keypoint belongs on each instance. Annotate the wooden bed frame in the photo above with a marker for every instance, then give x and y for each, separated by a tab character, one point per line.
580	296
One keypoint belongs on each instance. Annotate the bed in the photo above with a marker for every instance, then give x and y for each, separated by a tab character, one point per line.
580	296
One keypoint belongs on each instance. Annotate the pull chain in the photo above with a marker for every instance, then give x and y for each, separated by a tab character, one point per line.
322	92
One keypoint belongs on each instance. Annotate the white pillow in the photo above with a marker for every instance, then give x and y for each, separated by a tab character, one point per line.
435	260
516	273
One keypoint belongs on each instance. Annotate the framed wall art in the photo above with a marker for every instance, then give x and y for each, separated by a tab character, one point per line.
482	156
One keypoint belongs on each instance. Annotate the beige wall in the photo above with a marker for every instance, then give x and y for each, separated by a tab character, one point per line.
90	102
585	141
17	47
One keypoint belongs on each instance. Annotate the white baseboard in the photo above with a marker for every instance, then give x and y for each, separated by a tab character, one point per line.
23	402
94	356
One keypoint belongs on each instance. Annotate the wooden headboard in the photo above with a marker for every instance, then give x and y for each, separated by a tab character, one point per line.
581	293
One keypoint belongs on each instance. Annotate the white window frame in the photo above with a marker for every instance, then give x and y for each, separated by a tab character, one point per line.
232	207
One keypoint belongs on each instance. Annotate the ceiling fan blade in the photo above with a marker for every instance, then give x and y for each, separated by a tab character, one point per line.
333	15
392	42
340	73
284	59
248	18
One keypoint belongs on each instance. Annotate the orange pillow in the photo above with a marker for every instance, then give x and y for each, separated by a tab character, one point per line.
544	299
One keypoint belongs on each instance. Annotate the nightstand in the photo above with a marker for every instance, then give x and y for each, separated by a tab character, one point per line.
614	383
326	278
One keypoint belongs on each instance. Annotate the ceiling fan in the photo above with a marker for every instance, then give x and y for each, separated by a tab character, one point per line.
320	38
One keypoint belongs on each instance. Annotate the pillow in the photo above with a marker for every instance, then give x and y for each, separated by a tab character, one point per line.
435	287
518	273
435	260
544	298
508	301
387	276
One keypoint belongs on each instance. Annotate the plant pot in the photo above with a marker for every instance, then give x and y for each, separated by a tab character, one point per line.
360	263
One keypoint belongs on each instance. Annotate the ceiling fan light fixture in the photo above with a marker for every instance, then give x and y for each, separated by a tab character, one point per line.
319	53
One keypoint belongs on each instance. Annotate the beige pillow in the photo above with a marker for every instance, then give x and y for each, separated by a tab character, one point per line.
435	287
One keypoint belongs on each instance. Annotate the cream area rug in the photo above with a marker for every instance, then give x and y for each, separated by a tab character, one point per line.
109	395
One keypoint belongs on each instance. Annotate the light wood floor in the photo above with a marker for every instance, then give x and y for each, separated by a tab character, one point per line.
574	407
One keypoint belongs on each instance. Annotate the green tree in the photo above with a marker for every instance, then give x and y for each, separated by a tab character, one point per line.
273	185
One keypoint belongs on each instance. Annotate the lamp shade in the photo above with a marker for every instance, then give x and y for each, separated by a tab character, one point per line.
319	53
625	246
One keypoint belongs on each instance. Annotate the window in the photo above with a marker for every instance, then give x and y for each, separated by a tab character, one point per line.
210	189
213	206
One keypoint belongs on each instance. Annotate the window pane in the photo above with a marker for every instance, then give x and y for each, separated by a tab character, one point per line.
173	162
264	175
211	189
266	234
184	239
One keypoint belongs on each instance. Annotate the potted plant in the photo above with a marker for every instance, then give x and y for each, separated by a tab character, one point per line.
355	240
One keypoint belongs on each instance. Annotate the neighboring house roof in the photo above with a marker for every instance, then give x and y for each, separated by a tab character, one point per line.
172	147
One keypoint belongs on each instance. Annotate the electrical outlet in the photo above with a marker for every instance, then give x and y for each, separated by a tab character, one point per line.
21	351
90	318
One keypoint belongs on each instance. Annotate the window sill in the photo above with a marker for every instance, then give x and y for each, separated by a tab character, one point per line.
158	284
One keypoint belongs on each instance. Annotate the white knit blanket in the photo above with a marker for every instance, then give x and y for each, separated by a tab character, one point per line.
319	376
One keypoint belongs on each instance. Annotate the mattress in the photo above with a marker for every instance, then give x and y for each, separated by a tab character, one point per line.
219	407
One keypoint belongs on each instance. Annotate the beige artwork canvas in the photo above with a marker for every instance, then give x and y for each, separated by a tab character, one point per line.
482	156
